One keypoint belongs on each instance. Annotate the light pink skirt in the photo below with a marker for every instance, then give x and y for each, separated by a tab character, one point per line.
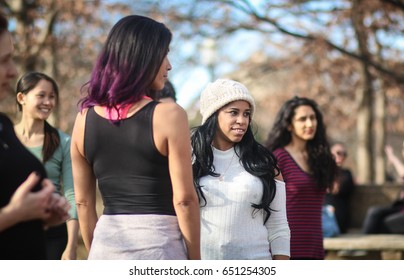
137	237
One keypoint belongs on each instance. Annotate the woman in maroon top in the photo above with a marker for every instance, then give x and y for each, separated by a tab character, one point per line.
298	140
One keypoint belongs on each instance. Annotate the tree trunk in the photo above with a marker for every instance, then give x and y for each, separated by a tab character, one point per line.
365	166
52	70
363	156
379	136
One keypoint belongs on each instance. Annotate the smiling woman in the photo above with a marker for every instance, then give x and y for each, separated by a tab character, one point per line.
37	96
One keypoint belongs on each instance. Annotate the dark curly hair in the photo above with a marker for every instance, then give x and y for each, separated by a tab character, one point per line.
255	158
320	161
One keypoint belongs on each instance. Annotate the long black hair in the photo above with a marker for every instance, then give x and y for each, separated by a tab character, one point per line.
320	160
255	158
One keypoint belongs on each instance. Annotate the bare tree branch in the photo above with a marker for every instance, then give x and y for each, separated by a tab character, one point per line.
45	32
399	77
396	3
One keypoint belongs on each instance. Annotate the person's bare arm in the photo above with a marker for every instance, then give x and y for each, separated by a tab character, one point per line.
173	122
84	183
393	159
281	257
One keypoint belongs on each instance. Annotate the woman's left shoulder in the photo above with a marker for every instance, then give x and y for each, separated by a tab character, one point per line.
170	110
168	106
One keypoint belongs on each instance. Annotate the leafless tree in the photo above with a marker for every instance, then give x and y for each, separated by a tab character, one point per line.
354	36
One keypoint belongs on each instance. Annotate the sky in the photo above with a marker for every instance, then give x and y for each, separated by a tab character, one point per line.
189	82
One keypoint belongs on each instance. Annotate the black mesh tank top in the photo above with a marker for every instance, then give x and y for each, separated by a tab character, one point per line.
133	176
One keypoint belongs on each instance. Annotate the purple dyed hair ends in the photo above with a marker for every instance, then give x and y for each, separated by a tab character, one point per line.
128	63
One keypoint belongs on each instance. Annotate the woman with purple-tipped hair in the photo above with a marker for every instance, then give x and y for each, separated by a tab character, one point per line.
138	150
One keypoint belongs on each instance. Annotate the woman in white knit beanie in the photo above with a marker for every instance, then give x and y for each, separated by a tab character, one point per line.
242	195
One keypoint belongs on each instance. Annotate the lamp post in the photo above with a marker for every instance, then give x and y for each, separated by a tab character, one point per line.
208	52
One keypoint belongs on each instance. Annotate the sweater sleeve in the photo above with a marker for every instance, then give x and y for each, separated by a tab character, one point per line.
67	175
277	224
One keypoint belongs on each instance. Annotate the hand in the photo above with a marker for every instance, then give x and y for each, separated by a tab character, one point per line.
330	208
280	257
69	254
28	205
335	188
389	151
57	208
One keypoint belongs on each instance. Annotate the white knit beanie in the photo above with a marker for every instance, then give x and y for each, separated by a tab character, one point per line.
220	93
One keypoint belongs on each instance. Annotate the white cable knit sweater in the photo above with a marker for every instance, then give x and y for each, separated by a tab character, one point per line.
229	227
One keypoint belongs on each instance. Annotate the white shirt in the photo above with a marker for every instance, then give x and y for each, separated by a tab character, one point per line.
230	227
